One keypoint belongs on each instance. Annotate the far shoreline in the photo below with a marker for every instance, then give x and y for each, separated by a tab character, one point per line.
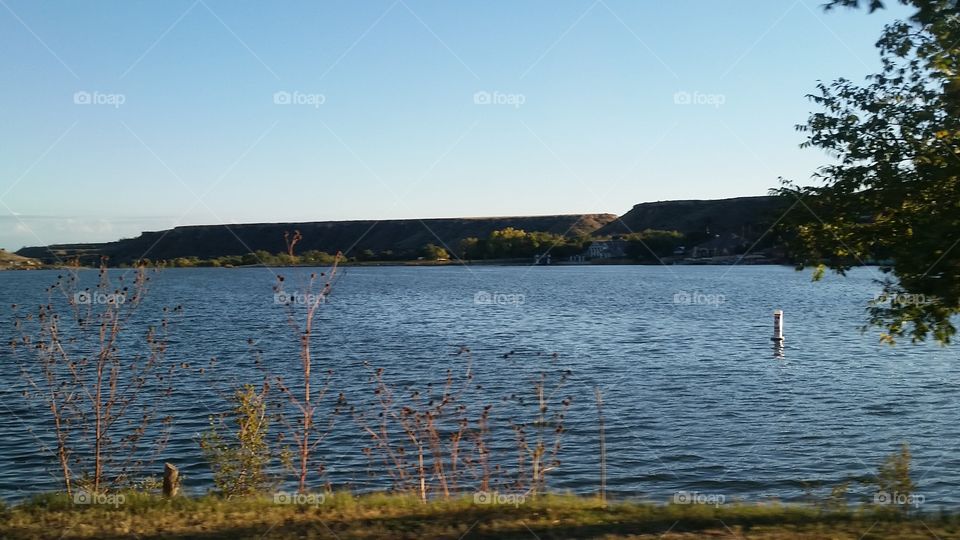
478	263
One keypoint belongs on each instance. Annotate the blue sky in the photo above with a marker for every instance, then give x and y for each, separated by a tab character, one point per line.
123	116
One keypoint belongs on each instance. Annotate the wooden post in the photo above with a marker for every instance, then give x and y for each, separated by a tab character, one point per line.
171	480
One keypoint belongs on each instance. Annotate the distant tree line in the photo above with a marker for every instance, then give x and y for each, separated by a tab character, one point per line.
509	243
651	244
513	243
307	258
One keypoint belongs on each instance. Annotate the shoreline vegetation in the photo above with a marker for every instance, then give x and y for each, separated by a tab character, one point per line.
408	263
447	262
508	246
380	515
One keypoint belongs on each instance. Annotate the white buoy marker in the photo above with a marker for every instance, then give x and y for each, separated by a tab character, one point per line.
777	327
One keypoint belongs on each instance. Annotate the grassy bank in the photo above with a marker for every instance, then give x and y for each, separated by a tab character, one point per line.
392	516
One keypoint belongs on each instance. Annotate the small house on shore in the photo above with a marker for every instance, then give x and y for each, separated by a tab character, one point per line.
607	249
720	246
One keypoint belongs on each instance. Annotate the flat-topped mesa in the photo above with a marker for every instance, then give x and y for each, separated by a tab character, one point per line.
742	217
351	237
745	216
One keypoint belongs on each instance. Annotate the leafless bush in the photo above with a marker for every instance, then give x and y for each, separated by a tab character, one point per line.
101	381
428	459
303	427
437	441
538	439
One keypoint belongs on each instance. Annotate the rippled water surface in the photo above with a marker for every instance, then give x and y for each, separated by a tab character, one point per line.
695	399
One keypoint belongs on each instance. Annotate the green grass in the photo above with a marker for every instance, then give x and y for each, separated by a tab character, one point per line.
344	516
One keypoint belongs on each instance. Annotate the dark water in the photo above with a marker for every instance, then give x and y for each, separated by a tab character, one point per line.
695	399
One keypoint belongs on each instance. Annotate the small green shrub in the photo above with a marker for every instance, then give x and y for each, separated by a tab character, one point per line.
894	485
240	466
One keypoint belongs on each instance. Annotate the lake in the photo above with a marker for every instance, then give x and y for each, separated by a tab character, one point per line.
695	398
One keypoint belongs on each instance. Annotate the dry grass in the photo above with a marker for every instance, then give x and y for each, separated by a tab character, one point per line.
395	516
12	260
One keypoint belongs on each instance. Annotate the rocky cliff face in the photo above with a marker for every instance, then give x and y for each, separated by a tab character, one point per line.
351	237
745	216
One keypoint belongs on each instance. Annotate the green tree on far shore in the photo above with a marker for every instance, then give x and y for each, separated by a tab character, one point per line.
652	244
433	252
